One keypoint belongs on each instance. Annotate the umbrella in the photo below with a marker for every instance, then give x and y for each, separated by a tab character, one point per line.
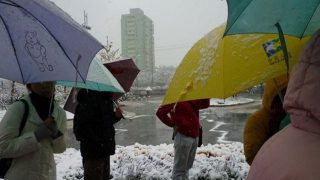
40	42
297	18
124	70
99	78
217	67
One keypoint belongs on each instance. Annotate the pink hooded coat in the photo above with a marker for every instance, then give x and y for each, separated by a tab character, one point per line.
294	152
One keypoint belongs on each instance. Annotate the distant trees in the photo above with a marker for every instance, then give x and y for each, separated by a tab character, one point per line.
161	77
10	92
108	53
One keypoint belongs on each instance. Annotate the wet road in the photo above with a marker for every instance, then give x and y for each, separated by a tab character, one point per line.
220	124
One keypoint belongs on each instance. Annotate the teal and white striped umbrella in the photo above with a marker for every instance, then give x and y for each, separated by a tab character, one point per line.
99	78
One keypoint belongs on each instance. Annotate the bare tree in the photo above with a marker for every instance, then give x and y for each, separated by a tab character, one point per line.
108	54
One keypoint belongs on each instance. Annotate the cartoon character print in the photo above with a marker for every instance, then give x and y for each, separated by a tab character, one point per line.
37	51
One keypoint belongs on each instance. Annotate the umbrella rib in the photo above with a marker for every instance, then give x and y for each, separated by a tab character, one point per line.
83	79
1	2
302	34
14	49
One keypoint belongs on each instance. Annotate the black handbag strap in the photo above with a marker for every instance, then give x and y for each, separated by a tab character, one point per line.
25	115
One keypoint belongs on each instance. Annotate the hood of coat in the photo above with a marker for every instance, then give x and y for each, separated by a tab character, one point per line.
270	91
303	98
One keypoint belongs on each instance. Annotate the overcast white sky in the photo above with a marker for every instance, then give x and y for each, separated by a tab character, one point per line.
178	24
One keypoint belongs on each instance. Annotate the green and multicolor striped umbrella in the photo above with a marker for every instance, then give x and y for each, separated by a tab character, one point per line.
99	78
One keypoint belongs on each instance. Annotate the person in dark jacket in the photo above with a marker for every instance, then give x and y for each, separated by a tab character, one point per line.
93	126
184	118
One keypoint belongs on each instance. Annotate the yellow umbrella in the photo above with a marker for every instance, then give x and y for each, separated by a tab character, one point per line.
219	67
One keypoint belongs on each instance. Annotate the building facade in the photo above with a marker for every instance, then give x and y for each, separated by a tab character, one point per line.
137	39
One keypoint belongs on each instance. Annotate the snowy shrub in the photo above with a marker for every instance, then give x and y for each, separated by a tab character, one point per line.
146	162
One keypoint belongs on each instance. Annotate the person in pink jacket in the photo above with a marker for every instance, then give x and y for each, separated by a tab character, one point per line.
294	152
184	118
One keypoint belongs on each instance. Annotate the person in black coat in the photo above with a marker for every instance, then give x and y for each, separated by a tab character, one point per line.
93	126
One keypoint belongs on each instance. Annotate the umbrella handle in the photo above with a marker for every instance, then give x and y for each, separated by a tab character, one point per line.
284	46
278	90
50	106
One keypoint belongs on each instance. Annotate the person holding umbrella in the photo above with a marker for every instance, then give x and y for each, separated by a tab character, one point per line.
183	117
42	135
293	153
265	122
94	117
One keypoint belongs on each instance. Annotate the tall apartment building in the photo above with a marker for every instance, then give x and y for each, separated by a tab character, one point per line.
137	39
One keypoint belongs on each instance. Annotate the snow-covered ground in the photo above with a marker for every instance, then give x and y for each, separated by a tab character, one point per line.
230	101
219	161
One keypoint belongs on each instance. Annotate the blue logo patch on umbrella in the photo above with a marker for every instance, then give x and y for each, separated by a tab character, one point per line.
272	47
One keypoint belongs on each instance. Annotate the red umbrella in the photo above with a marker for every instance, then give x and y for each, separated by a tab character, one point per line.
124	70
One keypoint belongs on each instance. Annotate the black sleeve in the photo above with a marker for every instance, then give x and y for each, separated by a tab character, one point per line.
117	119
